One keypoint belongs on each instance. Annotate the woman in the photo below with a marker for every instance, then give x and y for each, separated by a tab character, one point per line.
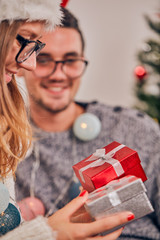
21	24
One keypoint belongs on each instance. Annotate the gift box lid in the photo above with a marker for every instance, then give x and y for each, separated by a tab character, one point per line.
111	162
116	192
124	153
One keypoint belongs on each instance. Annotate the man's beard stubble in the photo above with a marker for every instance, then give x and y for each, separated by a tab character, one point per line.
43	106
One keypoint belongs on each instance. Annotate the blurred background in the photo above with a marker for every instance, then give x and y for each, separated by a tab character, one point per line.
115	32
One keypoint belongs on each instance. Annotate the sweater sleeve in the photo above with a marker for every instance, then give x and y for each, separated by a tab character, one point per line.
37	229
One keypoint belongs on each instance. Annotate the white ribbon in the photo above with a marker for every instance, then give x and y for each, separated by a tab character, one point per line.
114	199
99	158
112	186
110	190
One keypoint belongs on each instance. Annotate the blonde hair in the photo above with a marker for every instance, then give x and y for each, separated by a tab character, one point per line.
15	130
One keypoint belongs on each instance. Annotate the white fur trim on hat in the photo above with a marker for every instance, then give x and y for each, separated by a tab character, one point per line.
31	10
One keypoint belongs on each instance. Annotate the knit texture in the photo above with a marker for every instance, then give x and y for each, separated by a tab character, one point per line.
59	151
37	229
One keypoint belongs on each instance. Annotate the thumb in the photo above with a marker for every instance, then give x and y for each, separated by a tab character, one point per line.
75	204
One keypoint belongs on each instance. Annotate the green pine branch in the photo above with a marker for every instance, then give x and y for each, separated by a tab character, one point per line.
151	103
150	57
155	26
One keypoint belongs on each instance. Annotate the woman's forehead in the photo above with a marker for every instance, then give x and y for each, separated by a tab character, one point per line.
32	29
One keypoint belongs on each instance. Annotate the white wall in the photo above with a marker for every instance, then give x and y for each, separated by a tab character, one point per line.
114	31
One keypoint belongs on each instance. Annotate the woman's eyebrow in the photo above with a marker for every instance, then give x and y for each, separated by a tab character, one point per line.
30	34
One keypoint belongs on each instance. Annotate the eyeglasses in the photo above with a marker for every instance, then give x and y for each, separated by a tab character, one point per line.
72	68
27	48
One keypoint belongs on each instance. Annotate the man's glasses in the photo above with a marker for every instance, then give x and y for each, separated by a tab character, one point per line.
27	48
72	68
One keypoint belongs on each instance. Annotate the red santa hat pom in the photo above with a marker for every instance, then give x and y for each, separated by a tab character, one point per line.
64	3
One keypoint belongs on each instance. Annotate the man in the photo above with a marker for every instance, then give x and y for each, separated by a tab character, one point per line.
47	171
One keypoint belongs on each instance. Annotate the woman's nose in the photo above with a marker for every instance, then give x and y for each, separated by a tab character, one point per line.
30	63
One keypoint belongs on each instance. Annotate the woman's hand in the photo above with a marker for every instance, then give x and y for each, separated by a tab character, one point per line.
62	222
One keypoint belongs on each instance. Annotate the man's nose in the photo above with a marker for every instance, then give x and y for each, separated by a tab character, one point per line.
58	71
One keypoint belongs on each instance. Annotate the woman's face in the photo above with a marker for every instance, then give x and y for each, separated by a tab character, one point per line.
30	31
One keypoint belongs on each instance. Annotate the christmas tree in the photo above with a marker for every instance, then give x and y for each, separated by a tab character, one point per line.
147	73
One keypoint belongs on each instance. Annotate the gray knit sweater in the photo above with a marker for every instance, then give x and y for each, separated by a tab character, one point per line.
37	229
59	151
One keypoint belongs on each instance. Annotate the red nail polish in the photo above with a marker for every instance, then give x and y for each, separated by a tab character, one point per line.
131	217
82	193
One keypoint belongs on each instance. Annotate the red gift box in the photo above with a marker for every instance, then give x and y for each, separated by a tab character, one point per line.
111	162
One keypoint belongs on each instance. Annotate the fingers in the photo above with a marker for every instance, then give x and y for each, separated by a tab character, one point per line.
64	214
106	223
75	204
81	189
82	218
111	236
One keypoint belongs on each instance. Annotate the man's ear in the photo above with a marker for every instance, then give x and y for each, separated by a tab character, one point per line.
20	73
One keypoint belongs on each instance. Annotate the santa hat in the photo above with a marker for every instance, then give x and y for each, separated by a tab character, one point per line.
31	10
64	3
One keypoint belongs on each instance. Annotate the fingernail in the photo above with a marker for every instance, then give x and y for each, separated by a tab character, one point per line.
130	217
82	193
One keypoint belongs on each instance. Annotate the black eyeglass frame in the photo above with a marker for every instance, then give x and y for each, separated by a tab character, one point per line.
24	42
63	62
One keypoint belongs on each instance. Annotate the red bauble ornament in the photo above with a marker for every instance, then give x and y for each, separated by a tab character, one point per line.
31	207
140	72
64	3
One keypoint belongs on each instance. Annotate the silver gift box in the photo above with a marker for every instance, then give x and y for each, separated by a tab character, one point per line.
125	194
